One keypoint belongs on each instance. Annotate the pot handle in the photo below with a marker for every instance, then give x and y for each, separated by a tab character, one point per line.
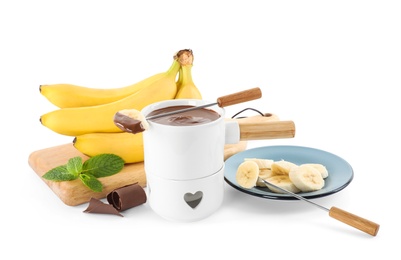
258	128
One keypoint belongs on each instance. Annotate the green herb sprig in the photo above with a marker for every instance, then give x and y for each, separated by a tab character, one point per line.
88	172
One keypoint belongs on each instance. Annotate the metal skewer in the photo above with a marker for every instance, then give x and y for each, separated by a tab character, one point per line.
355	221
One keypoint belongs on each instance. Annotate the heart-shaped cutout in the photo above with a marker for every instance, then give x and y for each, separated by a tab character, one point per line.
193	200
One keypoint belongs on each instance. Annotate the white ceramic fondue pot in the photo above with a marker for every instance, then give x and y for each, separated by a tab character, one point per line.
184	164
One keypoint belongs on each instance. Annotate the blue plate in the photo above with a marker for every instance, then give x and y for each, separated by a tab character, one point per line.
340	171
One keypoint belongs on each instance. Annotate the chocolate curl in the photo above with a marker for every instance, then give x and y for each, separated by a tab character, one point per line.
96	206
127	197
119	199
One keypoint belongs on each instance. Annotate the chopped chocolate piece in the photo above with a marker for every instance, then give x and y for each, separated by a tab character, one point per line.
97	206
127	197
128	124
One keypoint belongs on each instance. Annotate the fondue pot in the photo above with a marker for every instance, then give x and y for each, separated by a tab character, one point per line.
184	164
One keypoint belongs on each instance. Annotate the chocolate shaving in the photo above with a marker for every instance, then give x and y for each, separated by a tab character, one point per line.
119	199
127	197
97	206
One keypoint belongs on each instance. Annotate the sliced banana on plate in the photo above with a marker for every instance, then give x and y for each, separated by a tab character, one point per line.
284	174
282	181
321	168
247	174
263	174
262	163
306	178
282	167
264	169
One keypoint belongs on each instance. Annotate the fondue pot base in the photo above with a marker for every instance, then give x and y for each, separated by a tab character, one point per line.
185	200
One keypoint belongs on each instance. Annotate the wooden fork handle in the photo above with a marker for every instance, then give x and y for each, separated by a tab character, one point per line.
355	221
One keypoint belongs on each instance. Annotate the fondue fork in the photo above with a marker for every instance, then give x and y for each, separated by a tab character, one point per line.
224	101
350	219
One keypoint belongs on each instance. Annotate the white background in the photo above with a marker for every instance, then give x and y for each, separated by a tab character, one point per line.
333	67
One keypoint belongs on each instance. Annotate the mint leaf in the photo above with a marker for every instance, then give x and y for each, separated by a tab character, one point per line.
74	166
59	173
91	182
103	165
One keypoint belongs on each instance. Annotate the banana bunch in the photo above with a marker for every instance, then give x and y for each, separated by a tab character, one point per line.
87	113
284	174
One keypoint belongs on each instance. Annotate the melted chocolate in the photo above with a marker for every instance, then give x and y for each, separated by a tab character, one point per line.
193	117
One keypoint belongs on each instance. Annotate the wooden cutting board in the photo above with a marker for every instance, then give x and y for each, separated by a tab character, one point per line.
74	192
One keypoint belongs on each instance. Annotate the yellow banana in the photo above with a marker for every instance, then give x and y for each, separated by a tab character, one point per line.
126	145
186	88
99	118
69	95
179	79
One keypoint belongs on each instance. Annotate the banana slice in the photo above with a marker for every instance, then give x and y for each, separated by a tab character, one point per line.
282	167
321	168
131	121
264	169
282	181
262	163
306	178
263	174
247	174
